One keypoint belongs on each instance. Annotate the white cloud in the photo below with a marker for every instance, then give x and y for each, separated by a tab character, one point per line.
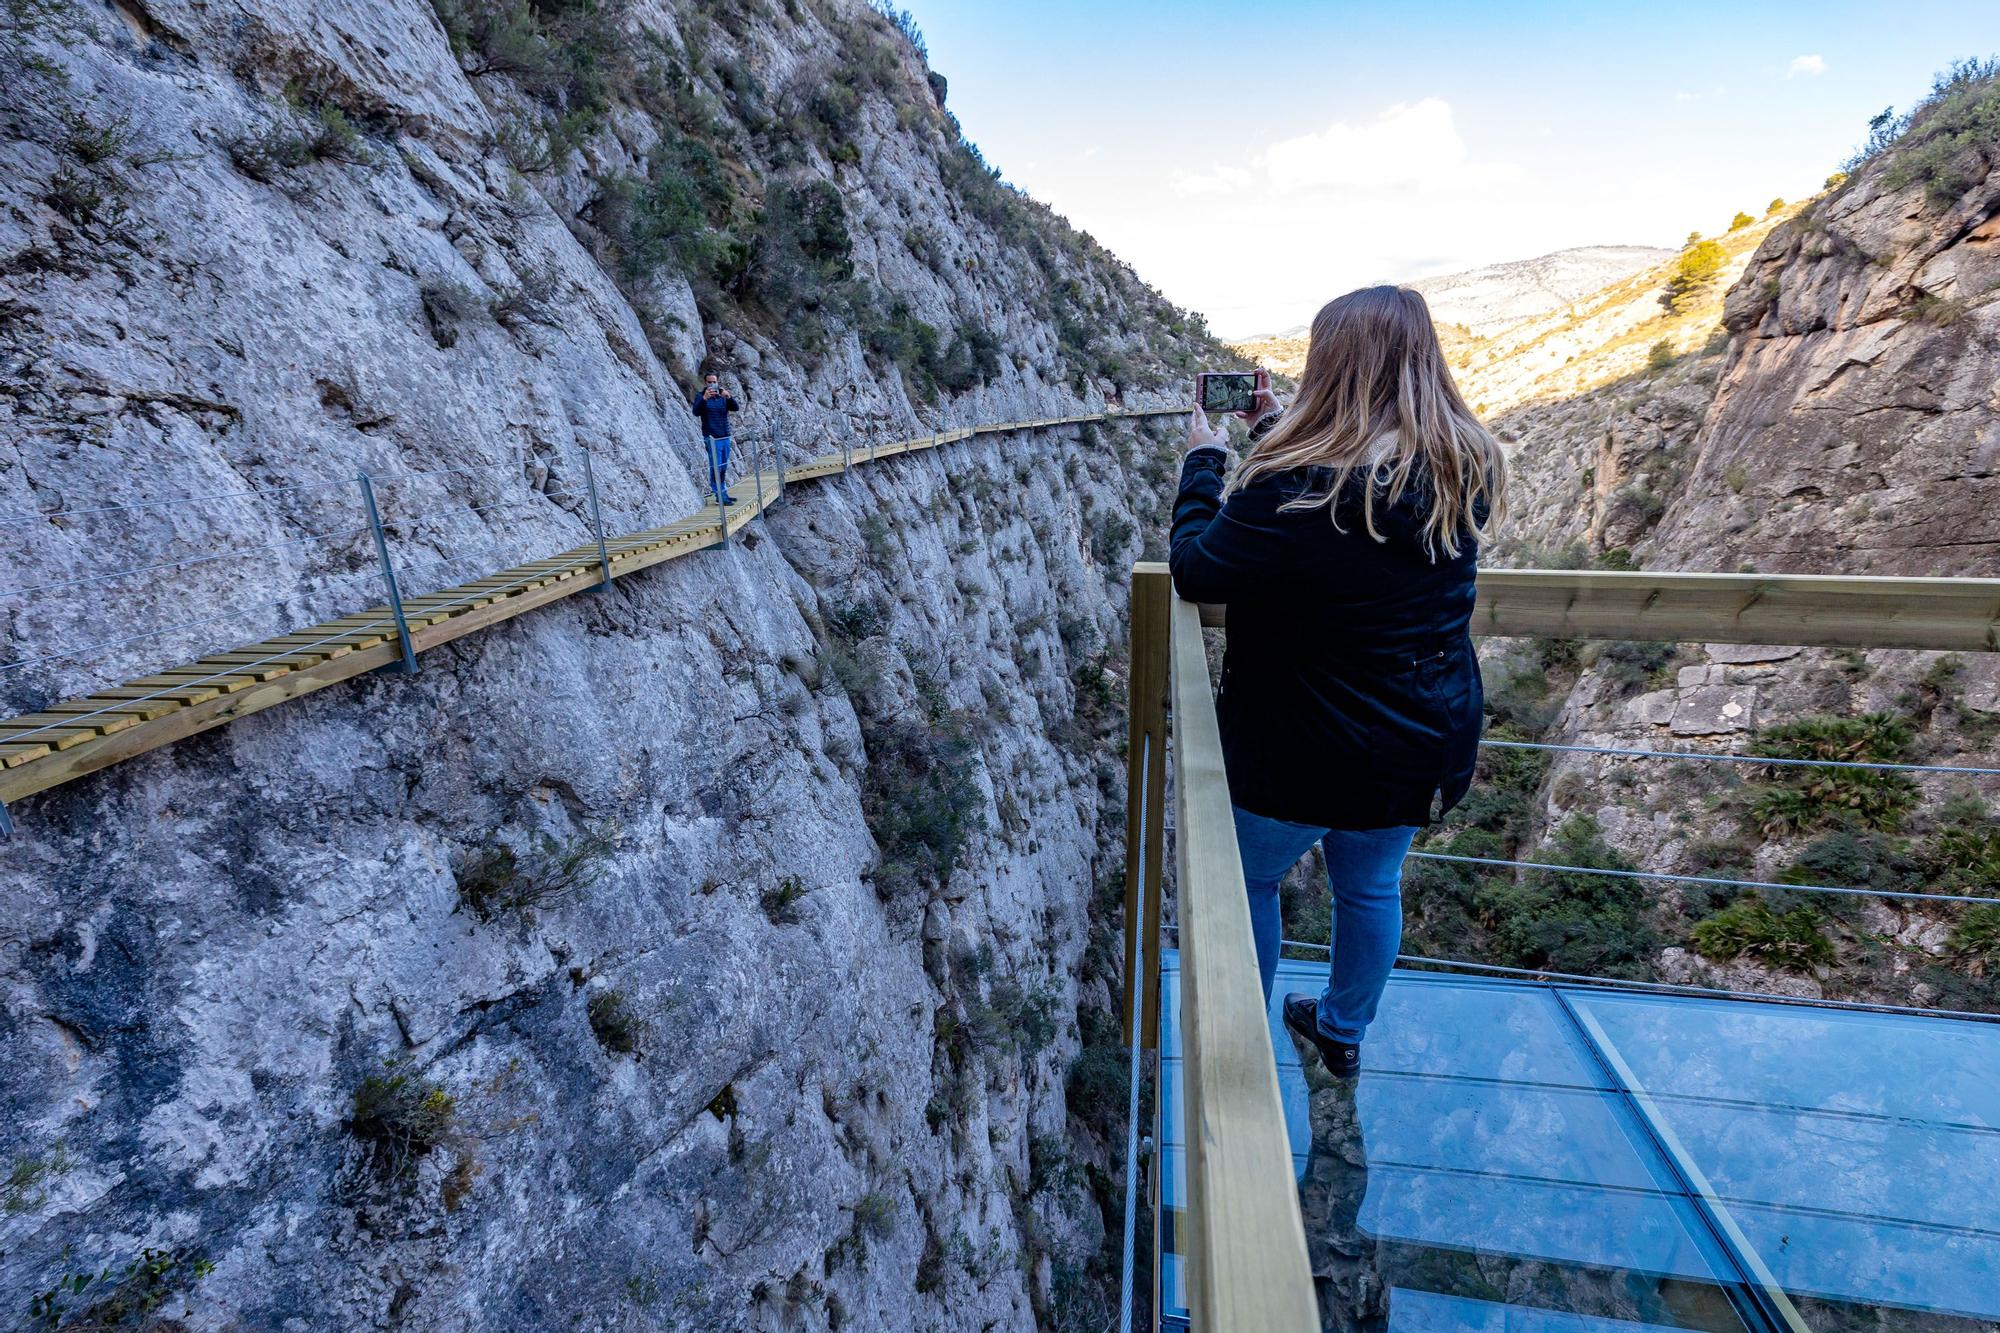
1410	145
1222	180
1407	145
1807	65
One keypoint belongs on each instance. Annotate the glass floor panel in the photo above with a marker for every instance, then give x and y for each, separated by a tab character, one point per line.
1539	1159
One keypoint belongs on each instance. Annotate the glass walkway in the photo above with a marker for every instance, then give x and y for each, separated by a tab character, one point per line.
1524	1157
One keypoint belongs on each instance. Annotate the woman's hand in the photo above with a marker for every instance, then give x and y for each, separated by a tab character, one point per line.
1263	403
1201	435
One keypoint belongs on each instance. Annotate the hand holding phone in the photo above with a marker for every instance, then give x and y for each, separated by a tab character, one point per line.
1228	391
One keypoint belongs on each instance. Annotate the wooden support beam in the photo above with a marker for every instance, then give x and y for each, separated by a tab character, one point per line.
1145	795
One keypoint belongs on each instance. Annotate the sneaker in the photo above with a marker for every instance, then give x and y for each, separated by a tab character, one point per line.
1342	1059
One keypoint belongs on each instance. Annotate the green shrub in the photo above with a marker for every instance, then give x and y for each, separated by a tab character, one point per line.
1740	221
1750	929
1570	922
127	1296
1774	207
1099	1079
781	901
920	797
1796	799
1975	942
569	55
1691	274
875	1214
1945	140
614	1024
1854	860
1661	355
496	880
402	1117
91	143
26	1186
1964	857
324	135
1630	667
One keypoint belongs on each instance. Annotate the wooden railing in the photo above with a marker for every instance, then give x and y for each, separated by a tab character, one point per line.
1244	1240
1819	610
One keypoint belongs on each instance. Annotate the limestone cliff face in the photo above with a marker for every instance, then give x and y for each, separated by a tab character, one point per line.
1849	423
708	955
1861	404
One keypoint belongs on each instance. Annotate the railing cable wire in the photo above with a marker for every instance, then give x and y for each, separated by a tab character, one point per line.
202	559
1678	988
145	634
1742	758
1704	879
185	500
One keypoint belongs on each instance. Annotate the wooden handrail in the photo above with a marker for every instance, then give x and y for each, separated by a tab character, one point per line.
1246	1263
1813	610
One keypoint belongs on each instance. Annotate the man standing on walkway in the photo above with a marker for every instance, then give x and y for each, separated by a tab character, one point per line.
713	406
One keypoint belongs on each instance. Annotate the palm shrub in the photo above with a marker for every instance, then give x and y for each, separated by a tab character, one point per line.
1748	928
1801	799
1975	943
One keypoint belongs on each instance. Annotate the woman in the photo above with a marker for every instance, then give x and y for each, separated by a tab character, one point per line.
1345	547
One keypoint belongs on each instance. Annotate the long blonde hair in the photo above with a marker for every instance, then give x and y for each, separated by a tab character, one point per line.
1376	397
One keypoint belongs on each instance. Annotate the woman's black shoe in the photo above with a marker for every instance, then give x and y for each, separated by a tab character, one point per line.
1342	1059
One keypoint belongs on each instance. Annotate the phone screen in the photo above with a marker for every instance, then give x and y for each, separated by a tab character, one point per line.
1227	392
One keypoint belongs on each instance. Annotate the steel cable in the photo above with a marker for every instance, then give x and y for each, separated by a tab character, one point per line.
181	564
1743	758
1703	879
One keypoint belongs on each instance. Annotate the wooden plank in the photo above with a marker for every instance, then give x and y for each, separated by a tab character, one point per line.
265	666
1246	1252
195	676
164	689
143	706
104	751
60	731
17	754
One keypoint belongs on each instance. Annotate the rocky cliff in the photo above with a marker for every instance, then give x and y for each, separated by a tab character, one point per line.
728	952
1845	419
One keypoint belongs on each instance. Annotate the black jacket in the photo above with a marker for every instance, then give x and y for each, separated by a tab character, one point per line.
1350	694
714	413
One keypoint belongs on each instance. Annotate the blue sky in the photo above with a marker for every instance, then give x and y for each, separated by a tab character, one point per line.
1253	163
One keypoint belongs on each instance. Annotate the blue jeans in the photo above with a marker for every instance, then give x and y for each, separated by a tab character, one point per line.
1364	869
718	465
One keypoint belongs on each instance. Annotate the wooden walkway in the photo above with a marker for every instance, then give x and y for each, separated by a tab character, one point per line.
67	740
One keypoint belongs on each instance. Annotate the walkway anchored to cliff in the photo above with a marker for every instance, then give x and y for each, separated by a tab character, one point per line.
43	749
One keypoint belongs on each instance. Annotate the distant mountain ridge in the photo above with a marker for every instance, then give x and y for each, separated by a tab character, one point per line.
1486	300
1483	301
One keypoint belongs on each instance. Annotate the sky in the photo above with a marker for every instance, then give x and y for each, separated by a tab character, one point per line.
1254	163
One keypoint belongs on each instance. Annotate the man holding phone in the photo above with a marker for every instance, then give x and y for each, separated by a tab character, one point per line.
713	406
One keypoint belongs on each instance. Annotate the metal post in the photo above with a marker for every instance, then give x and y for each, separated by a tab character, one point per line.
597	523
778	453
408	666
715	486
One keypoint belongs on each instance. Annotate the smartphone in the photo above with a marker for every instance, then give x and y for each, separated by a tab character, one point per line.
1225	391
